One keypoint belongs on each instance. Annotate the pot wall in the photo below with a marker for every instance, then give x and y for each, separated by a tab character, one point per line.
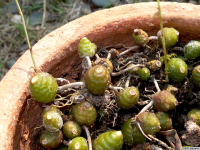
57	54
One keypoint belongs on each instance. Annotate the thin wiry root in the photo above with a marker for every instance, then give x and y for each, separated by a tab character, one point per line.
128	81
146	107
125	70
156	84
160	142
62	80
116	115
71	85
61	104
134	48
66	143
88	137
115	88
139	127
88	61
69	102
153	38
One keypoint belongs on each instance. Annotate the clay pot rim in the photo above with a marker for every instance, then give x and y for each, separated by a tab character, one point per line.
48	52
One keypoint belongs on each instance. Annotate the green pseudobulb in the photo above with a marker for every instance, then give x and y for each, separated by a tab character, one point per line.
97	79
140	37
131	134
78	143
86	48
164	101
194	115
43	87
109	140
52	121
84	113
71	129
196	75
144	73
177	69
149	123
165	120
51	139
128	97
192	49
171	36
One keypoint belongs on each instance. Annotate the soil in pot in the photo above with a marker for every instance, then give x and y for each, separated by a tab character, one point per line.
115	106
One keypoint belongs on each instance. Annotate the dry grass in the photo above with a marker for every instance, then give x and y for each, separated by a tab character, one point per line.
12	38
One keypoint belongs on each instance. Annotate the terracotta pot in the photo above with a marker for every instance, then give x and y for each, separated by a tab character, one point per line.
57	54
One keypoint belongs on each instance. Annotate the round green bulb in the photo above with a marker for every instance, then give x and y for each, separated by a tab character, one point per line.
164	101
128	97
192	49
71	129
43	87
131	134
144	74
165	120
51	108
97	79
52	121
109	140
177	69
149	123
196	75
141	38
78	143
171	36
134	70
51	139
86	48
194	115
84	113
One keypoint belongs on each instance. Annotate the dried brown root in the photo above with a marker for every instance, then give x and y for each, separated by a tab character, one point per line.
160	142
173	138
153	147
192	137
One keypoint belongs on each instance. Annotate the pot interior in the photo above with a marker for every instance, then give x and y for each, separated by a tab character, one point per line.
29	123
